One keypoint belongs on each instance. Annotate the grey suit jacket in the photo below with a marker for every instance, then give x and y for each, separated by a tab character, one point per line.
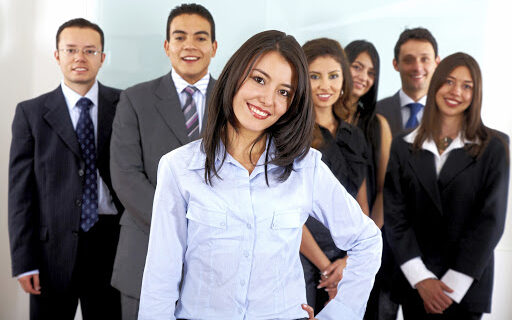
148	124
390	108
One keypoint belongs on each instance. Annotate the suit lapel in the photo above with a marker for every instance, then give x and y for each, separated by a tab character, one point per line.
57	116
422	163
458	160
106	112
209	90
398	111
169	108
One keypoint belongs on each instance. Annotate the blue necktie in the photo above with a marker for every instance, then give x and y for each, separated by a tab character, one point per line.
413	118
190	112
85	134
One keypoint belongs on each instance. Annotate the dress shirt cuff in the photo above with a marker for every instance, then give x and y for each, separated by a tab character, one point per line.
416	271
28	273
334	309
458	282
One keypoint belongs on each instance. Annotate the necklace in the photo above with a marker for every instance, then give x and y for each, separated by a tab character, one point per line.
443	143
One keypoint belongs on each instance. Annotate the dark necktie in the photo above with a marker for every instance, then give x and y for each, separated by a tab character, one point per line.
413	118
190	112
85	134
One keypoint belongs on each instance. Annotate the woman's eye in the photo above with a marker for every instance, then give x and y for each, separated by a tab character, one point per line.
314	77
259	80
356	67
334	76
284	93
468	87
449	82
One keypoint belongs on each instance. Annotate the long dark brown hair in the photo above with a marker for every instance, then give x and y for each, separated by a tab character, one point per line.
324	47
291	134
472	128
365	112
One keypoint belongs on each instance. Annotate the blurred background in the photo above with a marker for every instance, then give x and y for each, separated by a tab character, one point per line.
134	36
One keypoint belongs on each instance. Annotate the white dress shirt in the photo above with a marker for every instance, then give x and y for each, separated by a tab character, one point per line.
238	240
199	96
414	269
406	112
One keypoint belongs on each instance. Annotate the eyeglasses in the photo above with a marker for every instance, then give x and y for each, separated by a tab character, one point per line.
87	52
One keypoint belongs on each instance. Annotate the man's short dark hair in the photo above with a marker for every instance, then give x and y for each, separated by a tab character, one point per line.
80	23
420	34
190	8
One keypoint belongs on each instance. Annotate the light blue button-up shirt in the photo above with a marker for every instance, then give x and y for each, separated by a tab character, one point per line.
238	241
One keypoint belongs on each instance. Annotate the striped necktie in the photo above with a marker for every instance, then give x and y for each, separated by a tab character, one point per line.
190	112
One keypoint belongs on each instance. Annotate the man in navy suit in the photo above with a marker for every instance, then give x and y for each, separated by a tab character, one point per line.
415	58
63	213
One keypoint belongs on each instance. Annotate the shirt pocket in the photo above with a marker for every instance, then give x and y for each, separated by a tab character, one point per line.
205	227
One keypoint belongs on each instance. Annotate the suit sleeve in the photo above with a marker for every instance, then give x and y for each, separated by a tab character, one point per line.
129	178
486	227
23	197
399	232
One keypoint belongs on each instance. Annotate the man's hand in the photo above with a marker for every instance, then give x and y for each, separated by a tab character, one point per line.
30	283
331	276
432	293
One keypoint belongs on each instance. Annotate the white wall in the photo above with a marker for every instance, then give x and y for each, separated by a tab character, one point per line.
135	31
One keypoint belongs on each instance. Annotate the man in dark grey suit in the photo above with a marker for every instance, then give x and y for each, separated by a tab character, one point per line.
154	118
63	213
416	58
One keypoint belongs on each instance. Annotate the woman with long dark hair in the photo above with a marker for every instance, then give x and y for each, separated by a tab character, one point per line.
343	148
364	67
445	200
229	208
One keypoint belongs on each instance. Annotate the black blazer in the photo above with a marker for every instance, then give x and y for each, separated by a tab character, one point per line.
452	222
45	184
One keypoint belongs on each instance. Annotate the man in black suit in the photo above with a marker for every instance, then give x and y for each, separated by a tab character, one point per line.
416	58
63	213
152	119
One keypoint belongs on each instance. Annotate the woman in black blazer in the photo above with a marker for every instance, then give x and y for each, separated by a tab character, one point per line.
445	199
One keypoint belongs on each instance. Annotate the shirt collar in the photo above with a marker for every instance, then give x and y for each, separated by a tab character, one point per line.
72	96
180	83
405	99
430	145
199	157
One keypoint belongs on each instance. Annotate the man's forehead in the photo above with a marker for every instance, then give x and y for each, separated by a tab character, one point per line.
190	23
416	47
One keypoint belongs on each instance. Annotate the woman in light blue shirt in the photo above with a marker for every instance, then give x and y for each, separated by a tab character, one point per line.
229	209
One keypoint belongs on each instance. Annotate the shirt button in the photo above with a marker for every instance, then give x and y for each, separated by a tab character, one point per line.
249	226
80	172
78	203
222	224
242	283
246	254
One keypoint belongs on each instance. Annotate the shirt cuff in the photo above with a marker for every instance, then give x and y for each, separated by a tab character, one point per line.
458	282
27	273
416	271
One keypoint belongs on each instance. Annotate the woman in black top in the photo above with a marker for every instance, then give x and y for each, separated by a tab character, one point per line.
344	150
364	67
446	199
